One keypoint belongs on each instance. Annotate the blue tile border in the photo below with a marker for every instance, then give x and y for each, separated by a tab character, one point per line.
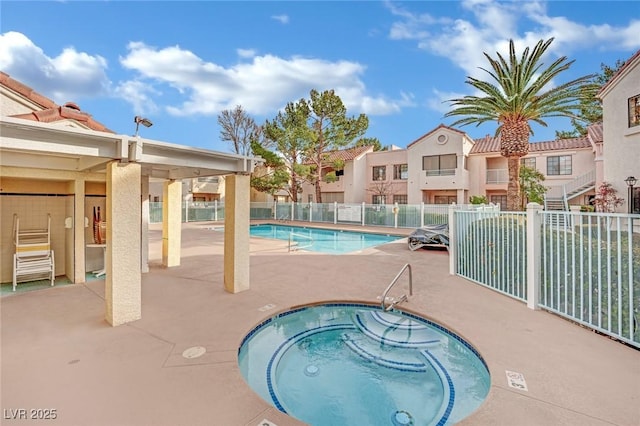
279	352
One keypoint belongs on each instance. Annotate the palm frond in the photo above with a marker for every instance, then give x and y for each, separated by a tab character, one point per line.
516	90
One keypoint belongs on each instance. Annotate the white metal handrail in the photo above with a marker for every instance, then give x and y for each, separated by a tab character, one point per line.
298	247
402	298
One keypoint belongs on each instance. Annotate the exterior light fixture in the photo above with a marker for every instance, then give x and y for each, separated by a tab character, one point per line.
141	120
631	181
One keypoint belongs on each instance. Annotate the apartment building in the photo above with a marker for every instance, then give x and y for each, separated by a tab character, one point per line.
446	166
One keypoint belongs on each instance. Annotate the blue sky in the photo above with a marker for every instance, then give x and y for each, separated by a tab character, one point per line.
181	63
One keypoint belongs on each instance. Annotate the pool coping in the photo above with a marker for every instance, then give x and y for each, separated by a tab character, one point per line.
135	374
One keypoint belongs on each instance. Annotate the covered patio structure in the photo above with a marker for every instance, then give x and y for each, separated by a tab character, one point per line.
40	158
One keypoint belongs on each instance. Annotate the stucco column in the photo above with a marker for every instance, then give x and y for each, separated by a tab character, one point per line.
79	257
144	236
171	223
123	278
236	233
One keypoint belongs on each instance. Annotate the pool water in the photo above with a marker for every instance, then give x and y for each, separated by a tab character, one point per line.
353	364
322	240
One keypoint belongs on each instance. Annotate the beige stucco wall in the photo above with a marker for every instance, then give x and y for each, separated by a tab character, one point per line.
32	193
32	211
455	143
621	143
388	159
236	234
123	283
12	104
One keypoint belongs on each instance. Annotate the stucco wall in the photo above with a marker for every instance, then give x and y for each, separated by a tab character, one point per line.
430	145
621	143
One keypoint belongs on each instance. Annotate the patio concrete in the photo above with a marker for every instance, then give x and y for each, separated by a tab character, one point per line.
58	352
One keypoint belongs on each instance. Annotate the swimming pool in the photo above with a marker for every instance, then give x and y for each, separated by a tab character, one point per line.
322	240
354	364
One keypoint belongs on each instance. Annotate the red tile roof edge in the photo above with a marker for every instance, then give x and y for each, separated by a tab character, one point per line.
51	112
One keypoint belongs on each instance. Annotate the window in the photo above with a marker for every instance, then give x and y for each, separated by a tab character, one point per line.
378	199
528	162
499	199
379	173
400	172
333	197
439	165
560	165
445	199
400	199
634	111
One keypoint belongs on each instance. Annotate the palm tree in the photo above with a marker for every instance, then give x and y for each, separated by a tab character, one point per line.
520	93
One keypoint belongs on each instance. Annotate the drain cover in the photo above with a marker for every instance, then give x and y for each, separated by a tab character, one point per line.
194	352
402	418
311	370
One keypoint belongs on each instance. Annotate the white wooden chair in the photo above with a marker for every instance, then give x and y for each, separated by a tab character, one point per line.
33	258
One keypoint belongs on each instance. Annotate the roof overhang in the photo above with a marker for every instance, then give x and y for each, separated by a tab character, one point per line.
28	144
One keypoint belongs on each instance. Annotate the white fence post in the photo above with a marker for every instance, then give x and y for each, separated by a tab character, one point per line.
422	215
310	211
452	239
293	210
275	210
363	211
396	209
534	226
186	210
215	210
335	212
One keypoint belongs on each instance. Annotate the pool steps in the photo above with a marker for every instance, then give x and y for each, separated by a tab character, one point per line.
394	330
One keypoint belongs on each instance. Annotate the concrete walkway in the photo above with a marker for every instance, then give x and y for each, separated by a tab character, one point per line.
58	353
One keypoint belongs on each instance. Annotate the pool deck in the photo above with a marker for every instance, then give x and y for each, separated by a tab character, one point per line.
58	353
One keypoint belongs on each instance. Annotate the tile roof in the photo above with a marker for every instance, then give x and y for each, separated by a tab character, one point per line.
346	154
492	144
51	112
25	91
595	133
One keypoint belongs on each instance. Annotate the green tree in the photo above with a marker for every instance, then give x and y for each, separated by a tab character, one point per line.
478	199
238	128
289	135
329	129
375	142
272	176
590	106
520	94
531	187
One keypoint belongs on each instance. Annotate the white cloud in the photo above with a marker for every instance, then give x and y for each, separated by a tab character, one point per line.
283	19
493	23
70	76
139	95
246	53
439	101
262	86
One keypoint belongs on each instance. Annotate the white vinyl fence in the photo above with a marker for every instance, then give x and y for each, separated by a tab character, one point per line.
388	215
582	266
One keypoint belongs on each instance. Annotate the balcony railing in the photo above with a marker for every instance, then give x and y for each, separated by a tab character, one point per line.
441	172
497	176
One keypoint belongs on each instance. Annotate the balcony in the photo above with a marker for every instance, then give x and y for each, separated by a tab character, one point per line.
445	179
441	172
